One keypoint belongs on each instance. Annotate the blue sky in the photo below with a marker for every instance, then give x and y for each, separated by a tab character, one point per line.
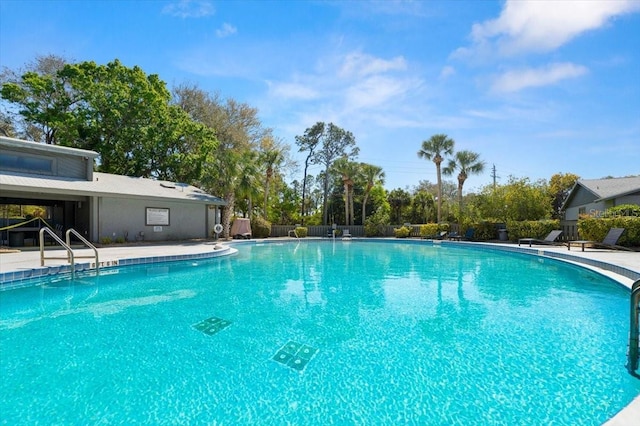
535	87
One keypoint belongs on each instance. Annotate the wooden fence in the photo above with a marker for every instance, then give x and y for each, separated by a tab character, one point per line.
325	230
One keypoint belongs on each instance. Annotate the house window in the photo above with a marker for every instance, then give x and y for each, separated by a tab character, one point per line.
582	211
38	165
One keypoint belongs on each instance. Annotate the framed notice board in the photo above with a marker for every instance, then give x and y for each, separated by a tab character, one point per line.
157	216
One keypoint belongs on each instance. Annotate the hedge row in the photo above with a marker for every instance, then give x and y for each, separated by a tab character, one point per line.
531	229
595	229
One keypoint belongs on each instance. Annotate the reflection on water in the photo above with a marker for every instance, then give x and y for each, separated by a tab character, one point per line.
405	333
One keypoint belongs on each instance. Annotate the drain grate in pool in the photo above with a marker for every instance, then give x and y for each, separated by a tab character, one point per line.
295	355
212	325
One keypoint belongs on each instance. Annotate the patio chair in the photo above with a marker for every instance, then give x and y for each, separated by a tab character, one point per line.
549	239
346	234
610	241
468	235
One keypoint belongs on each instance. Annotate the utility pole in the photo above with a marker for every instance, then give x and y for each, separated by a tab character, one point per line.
494	176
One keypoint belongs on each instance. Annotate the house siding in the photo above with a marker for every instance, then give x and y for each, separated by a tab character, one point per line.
628	199
118	218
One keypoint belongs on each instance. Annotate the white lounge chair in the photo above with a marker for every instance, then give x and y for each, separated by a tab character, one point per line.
346	235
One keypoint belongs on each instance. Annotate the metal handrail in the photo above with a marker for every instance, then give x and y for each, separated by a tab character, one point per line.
86	243
634	328
70	257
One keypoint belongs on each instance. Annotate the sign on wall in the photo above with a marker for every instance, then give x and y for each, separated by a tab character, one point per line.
157	216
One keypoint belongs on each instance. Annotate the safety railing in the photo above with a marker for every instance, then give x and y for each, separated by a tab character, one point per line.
86	243
634	329
70	257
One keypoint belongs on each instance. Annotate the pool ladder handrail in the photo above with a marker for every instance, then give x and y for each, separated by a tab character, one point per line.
67	246
634	329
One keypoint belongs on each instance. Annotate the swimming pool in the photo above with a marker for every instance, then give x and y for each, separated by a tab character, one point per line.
317	333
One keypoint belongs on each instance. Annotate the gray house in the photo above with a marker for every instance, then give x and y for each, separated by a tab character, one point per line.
594	196
61	181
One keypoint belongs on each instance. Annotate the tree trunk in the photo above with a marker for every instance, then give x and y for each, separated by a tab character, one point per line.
352	215
266	194
364	206
325	212
461	179
438	161
304	188
226	214
346	203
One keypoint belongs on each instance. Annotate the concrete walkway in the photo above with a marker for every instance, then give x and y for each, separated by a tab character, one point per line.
630	261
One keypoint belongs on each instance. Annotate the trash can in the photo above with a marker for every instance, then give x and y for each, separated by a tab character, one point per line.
503	235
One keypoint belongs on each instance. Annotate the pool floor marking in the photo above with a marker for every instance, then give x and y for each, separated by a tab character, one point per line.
295	355
212	325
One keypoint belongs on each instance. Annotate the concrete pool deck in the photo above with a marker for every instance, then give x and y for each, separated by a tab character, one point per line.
606	262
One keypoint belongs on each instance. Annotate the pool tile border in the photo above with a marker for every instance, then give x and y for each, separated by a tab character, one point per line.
24	278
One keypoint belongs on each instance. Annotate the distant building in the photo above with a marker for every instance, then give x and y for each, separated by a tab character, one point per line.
98	205
594	196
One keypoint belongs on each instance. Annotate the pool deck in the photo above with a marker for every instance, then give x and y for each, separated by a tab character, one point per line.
606	262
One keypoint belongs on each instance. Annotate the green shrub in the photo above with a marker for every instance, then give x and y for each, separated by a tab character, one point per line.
428	230
105	241
433	229
260	228
531	228
595	229
375	224
622	210
302	231
120	240
402	232
484	231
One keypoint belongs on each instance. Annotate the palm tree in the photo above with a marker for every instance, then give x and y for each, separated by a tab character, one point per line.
271	160
467	163
373	175
434	149
348	171
246	182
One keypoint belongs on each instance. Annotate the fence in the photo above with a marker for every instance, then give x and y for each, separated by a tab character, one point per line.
569	229
325	230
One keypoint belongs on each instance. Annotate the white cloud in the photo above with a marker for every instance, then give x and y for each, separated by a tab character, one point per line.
447	72
189	9
375	91
292	91
361	65
226	30
541	26
515	80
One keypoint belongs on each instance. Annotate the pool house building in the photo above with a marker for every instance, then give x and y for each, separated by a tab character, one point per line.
56	186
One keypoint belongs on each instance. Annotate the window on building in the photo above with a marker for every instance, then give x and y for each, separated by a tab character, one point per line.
40	165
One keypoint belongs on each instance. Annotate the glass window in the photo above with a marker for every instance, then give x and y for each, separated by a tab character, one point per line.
26	163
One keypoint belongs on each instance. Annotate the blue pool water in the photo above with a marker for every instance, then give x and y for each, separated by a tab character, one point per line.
320	333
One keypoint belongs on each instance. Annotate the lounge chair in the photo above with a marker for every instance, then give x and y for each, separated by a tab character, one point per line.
439	236
346	234
468	235
549	239
610	241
